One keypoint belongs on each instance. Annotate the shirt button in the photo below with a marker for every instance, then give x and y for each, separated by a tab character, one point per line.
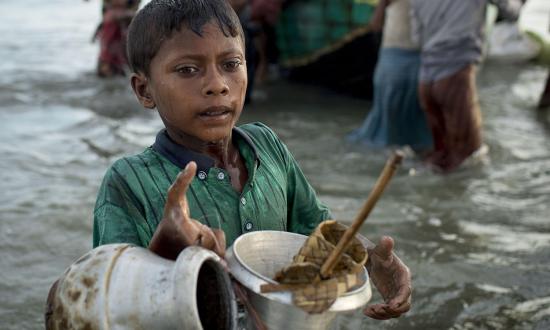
243	201
248	226
221	176
202	175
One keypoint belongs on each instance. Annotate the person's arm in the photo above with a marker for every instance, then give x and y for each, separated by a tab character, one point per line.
304	210
117	215
416	26
377	21
509	10
388	273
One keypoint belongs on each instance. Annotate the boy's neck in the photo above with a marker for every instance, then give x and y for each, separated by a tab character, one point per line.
224	153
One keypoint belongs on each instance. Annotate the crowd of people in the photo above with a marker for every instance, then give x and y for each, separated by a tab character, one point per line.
425	77
425	87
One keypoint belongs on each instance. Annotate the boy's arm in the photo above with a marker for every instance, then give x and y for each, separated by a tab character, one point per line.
305	211
123	212
112	224
389	274
115	215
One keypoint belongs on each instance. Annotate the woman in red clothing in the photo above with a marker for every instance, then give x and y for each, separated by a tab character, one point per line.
111	33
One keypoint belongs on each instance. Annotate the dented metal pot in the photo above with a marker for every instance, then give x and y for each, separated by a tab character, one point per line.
121	286
255	257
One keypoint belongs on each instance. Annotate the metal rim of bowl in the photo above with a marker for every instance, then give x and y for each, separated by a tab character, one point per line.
269	280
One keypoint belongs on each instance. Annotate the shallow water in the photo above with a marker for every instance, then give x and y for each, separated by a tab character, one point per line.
477	241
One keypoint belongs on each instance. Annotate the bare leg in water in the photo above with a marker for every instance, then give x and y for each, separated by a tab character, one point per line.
452	111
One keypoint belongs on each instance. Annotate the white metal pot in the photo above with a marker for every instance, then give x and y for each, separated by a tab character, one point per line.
255	257
121	286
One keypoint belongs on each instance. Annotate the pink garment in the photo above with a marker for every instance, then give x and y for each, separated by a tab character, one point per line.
112	39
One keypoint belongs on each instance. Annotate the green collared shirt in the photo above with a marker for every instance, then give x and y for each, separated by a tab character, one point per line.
277	196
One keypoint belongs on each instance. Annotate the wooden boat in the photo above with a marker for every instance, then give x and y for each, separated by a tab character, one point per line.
327	42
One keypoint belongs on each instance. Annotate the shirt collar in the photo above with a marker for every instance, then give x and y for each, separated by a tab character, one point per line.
180	155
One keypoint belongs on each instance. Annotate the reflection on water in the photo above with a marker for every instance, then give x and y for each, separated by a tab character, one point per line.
477	241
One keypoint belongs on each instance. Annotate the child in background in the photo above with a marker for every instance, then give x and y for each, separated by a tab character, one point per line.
451	36
396	118
206	181
111	33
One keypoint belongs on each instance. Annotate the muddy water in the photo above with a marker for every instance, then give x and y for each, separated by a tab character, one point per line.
477	241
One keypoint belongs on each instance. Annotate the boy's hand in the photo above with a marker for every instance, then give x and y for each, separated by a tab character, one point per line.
392	279
177	230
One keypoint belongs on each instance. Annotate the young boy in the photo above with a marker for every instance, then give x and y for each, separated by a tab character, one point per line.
451	36
188	62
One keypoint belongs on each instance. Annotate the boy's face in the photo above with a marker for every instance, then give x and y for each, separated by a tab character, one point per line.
197	84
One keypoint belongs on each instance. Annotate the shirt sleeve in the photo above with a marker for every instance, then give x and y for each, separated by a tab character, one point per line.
305	210
116	213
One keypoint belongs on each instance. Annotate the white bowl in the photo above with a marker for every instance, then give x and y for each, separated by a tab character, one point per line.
255	257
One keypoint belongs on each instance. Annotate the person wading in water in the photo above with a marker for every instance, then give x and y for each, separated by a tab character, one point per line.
111	33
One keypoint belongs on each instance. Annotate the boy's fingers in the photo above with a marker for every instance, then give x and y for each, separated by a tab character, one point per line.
401	309
381	312
208	239
384	248
185	177
401	301
182	182
376	312
220	238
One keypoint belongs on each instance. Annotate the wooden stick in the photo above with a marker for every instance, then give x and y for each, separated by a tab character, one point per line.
253	314
345	240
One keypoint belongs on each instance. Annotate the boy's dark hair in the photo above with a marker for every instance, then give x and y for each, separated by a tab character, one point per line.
160	18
